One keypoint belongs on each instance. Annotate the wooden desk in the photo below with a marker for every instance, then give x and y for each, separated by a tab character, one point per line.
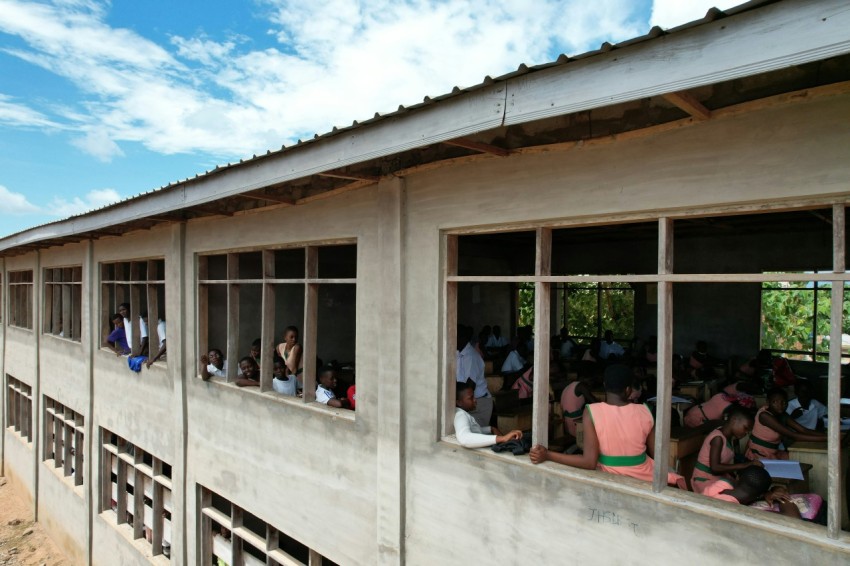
815	453
516	419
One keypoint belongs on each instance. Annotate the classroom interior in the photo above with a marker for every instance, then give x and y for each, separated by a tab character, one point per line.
740	291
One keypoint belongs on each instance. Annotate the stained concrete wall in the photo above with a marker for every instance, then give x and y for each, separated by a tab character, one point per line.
510	510
382	481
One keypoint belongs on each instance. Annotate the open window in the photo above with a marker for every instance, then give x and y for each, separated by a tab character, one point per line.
20	299
136	288
292	310
63	299
19	408
63	440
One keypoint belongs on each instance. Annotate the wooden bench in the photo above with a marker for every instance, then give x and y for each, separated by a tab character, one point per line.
519	418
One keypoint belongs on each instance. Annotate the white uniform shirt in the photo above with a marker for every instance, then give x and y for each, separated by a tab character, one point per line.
324	395
606	349
212	370
513	362
160	330
493	342
128	332
469	433
810	416
471	366
289	387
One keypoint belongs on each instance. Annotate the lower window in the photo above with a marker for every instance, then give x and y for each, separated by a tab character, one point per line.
63	439
137	488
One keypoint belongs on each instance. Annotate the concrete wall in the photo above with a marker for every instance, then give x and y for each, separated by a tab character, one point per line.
380	486
494	509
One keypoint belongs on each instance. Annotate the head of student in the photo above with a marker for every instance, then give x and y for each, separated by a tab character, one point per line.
279	368
117	320
803	391
618	380
327	377
249	367
124	310
753	482
216	358
290	335
739	419
777	400
609	336
256	348
144	316
465	395
497	330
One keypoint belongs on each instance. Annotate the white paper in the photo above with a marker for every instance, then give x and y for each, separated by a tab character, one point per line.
788	469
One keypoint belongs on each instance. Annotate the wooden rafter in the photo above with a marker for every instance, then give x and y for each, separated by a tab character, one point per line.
211	210
254	195
686	101
350	176
480	147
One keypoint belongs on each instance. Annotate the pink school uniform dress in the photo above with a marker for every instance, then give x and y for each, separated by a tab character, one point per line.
715	489
702	469
622	433
573	406
764	443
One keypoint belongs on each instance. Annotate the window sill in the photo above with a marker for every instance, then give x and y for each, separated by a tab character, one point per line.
67	480
19	436
62	338
314	406
21	328
719	510
140	545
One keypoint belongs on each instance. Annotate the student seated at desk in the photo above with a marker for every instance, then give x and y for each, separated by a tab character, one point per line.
515	364
712	409
568	346
574	398
467	430
716	458
496	343
619	436
752	484
806	410
772	424
610	350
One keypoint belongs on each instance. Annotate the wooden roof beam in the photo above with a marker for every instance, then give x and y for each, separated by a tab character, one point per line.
350	176
685	101
268	198
479	147
210	210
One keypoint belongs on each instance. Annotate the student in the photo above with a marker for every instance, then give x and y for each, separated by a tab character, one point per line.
290	351
753	483
213	364
592	353
351	395
716	458
471	366
496	342
804	409
608	349
525	384
515	362
573	400
250	373
256	351
283	383
712	409
160	331
619	436
325	389
468	432
568	345
771	424
117	339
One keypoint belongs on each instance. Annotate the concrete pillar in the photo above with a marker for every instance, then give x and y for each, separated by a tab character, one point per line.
390	432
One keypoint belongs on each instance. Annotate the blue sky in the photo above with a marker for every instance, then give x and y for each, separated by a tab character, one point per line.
100	101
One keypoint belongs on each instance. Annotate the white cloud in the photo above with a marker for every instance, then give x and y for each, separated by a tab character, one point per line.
20	115
672	13
63	208
98	144
338	60
15	203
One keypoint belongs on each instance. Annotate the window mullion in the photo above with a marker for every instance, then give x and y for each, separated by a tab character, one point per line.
665	353
542	307
835	506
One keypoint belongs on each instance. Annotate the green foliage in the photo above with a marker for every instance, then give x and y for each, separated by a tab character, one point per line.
525	304
790	319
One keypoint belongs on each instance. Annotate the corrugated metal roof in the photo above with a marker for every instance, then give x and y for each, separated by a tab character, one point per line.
655	32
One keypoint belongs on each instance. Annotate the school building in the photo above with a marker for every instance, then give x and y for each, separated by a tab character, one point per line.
687	173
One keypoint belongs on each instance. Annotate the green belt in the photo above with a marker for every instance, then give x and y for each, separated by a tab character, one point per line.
765	443
574	414
703	468
619	461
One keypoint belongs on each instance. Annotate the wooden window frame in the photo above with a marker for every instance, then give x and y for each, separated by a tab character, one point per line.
20	296
149	285
62	302
63	445
127	462
665	278
239	535
309	330
19	409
